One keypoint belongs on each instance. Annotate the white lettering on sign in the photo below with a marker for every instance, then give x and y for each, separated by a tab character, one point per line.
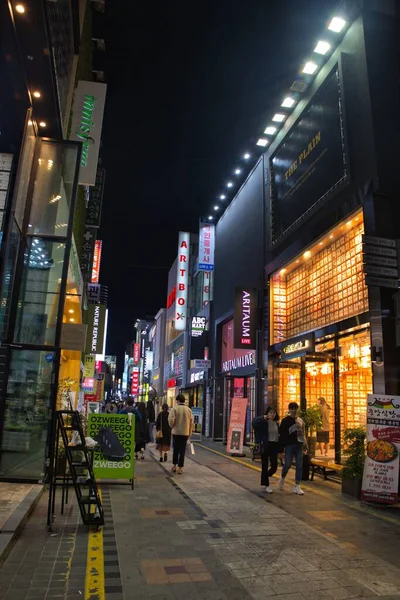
182	280
246	339
95	332
240	361
196	376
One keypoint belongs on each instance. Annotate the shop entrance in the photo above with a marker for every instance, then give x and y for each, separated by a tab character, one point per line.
239	387
310	381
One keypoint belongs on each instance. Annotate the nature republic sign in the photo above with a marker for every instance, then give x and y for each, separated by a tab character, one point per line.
87	121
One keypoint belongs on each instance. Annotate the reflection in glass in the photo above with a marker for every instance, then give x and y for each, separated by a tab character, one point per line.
40	292
10	260
26	414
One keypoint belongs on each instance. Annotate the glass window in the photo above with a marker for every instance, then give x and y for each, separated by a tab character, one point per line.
9	272
26	414
53	188
40	292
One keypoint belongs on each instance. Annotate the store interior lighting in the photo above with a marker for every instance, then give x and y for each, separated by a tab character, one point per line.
42	124
310	68
322	48
20	8
337	24
37	94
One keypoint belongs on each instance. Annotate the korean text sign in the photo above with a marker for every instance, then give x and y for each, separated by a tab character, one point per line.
206	247
381	469
114	454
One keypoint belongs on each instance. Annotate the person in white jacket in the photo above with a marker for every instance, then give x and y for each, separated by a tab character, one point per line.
181	422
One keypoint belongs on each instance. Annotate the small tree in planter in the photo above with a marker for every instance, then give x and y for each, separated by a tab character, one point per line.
352	474
312	418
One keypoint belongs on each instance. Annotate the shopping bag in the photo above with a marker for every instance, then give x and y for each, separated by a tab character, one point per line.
305	475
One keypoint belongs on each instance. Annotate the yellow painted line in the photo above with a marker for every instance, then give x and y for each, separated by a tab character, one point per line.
94	583
308	487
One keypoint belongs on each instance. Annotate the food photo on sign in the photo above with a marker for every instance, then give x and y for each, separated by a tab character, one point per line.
381	469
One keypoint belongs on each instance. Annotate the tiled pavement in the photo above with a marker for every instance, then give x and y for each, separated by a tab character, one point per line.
201	536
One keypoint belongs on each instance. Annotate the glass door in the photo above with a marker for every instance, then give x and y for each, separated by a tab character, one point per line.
320	392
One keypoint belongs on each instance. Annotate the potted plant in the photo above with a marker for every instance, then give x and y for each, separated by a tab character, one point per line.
352	474
312	418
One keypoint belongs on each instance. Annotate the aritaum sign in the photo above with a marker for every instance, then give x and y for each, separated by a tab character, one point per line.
245	321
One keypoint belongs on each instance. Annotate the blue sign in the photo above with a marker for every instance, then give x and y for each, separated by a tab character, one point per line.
49	358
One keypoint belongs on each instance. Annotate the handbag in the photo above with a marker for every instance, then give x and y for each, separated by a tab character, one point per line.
159	434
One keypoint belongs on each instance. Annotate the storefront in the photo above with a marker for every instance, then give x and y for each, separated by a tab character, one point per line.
320	329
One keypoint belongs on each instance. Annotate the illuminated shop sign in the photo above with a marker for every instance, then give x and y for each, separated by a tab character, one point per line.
96	261
198	326
182	281
136	353
171	383
171	298
206	289
238	362
206	246
96	328
199	376
299	346
135	382
245	321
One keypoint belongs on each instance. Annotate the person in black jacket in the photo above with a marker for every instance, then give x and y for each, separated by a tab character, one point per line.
266	431
163	442
293	438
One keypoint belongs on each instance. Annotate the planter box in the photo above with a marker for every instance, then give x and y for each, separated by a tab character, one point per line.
351	487
16	441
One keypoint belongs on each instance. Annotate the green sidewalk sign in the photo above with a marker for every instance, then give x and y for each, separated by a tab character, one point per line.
114	453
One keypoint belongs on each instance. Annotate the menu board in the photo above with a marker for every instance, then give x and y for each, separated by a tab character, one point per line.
381	469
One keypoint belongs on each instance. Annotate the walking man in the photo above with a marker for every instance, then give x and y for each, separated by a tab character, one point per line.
293	438
181	422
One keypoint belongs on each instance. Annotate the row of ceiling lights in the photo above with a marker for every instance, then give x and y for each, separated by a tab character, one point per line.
20	9
322	48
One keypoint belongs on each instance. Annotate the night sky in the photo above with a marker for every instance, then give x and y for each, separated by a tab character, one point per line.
191	87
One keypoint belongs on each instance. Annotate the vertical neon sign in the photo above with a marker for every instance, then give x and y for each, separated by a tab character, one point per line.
182	280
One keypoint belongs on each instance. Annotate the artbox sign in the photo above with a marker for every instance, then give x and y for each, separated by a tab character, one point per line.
96	324
182	281
96	261
206	246
245	322
86	126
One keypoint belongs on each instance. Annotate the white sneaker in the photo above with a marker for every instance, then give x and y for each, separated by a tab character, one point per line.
281	483
269	489
297	490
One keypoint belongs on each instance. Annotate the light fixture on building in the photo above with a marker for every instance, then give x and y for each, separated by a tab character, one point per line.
246	156
270	130
71	311
216	207
210	218
336	24
238	171
288	102
222	197
331	237
42	124
282	271
229	184
322	48
20	8
307	255
37	94
72	320
279	118
349	223
310	68
262	142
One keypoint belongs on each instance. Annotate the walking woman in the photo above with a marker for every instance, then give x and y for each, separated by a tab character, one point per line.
266	429
163	433
141	431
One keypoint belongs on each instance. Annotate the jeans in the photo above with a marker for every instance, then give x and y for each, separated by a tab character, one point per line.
293	451
151	432
178	456
270	453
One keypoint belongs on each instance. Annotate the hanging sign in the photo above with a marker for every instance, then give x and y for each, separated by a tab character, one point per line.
236	426
136	353
182	281
135	382
96	317
96	261
245	321
90	362
206	246
381	470
114	453
93	211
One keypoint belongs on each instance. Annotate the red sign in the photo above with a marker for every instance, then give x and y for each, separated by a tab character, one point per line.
136	353
96	261
90	398
171	383
88	383
171	298
236	426
135	382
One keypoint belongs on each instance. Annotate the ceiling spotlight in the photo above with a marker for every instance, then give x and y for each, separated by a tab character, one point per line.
279	118
246	156
222	197
288	102
310	68
270	130
238	171
322	48
210	218
37	94
307	254
336	24
20	8
71	311
262	142
42	124
216	207
72	320
229	184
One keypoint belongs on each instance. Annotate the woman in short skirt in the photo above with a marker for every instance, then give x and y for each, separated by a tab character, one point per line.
162	426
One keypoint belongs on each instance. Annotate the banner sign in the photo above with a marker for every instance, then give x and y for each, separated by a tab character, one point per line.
87	253
381	470
182	281
236	426
90	361
96	316
73	336
206	293
136	353
96	261
114	454
245	319
87	121
147	363
206	246
135	382
197	419
93	210
310	162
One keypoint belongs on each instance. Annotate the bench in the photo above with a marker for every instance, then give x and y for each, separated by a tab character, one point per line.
324	468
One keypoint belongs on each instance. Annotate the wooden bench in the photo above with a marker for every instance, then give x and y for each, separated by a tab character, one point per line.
324	468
